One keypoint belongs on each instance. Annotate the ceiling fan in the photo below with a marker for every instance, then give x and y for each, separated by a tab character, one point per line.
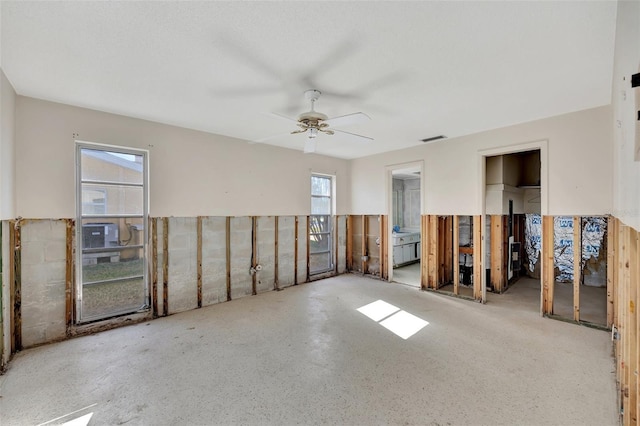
314	123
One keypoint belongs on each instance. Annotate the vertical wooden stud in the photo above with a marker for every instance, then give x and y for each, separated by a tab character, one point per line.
380	250
228	254
365	251
349	243
433	252
632	327
275	254
295	252
577	265
336	244
497	254
308	244
626	332
17	288
165	266
448	250
199	259
12	284
478	269
456	254
424	252
610	270
154	266
548	276
384	248
69	274
254	254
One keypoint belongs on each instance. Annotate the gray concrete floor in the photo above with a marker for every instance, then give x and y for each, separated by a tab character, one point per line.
409	274
305	355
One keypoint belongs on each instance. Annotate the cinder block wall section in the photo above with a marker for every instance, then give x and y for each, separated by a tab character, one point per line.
189	266
42	280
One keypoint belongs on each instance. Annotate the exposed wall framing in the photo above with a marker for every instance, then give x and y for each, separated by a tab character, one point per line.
577	265
154	266
199	261
478	269
165	266
626	258
497	253
548	276
69	275
456	255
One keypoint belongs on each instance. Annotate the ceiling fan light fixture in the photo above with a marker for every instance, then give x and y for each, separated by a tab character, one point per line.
313	132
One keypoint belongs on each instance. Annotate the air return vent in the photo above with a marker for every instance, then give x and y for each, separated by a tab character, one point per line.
435	138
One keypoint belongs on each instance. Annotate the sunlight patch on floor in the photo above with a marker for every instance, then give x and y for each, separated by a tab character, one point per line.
394	319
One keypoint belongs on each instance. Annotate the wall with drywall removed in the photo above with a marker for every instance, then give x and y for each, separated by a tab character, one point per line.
578	163
191	173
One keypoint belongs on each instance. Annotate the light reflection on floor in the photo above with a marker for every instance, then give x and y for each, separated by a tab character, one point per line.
399	322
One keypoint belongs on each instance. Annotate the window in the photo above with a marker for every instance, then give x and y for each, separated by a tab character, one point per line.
111	232
320	225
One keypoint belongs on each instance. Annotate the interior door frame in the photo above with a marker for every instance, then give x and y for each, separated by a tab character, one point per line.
389	169
543	146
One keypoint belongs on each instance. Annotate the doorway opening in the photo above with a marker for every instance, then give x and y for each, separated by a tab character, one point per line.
513	224
406	201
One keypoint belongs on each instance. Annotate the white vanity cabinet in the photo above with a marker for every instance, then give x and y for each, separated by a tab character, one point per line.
406	247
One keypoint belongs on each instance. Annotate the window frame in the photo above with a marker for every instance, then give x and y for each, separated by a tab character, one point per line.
79	318
328	233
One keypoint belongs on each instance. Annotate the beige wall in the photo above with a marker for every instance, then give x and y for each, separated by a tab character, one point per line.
579	168
626	103
7	204
7	133
191	173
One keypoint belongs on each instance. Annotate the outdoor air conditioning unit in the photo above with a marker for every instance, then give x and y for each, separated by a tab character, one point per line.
99	235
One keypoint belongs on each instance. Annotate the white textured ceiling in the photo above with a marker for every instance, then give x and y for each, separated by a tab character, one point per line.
418	69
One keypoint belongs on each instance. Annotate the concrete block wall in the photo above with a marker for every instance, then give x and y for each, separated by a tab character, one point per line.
240	233
266	241
183	278
43	259
43	281
373	248
214	260
302	249
286	244
159	269
356	243
341	225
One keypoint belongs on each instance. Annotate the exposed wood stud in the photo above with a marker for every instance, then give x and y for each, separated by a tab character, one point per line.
199	256
456	254
307	241
17	285
632	358
424	252
433	251
384	273
548	277
336	256
478	268
276	284
610	270
12	283
349	226
69	274
154	266
365	251
228	255
448	250
497	255
295	253
577	265
254	254
165	266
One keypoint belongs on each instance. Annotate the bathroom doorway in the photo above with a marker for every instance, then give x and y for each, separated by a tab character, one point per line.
406	208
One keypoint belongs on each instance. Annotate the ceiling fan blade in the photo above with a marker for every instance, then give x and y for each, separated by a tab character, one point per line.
348	120
354	137
310	145
283	117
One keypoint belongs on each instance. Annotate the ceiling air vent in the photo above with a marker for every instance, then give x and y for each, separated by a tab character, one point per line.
435	138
